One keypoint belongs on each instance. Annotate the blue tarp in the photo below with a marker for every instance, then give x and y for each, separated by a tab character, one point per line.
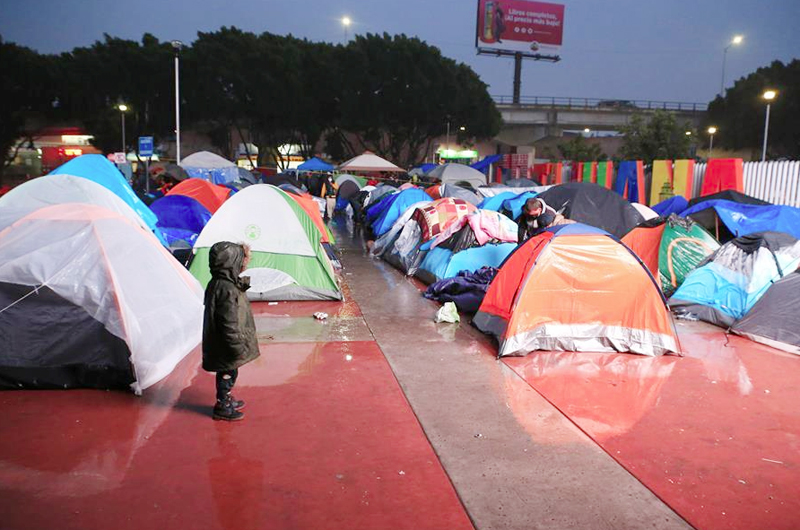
495	203
675	204
742	219
178	211
626	179
515	205
174	235
483	165
442	263
315	164
400	203
99	169
216	175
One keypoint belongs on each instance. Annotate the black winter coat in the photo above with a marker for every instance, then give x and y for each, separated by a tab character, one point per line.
229	331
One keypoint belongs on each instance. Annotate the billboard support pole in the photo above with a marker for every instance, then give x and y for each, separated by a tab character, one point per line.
517	77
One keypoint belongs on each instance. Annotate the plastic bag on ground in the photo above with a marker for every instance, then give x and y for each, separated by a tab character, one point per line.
448	313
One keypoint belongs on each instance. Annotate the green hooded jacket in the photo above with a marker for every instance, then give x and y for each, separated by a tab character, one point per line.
229	331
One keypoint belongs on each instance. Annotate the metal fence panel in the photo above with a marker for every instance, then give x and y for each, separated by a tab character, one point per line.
774	182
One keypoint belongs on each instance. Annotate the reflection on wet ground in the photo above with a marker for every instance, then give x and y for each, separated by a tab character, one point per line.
715	434
328	441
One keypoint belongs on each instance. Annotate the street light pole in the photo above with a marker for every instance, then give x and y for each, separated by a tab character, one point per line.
766	132
346	23
177	45
122	108
736	41
711	131
769	95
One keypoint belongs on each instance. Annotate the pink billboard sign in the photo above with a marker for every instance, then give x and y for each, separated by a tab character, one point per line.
519	26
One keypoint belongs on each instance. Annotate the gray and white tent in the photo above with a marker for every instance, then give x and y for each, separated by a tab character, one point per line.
774	319
458	192
80	312
458	173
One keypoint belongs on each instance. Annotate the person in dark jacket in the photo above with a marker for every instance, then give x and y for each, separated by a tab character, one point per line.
536	216
229	331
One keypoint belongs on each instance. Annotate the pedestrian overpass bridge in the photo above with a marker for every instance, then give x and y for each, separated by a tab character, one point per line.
536	117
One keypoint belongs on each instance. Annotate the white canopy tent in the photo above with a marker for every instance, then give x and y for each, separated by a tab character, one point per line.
209	166
369	161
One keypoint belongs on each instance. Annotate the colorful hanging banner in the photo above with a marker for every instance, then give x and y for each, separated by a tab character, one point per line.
723	174
630	181
683	178
605	174
589	172
662	174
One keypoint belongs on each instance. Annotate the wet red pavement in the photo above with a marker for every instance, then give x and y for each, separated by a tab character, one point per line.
715	434
328	441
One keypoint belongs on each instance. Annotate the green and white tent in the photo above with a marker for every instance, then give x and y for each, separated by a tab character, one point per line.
287	262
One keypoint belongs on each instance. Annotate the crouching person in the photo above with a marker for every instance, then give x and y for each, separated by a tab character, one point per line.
229	331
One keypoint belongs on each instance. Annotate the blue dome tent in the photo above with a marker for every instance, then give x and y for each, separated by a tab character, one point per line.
735	277
99	169
395	206
180	217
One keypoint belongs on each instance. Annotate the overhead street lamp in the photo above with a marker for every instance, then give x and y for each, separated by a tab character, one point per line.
768	95
711	132
737	40
123	108
346	23
177	46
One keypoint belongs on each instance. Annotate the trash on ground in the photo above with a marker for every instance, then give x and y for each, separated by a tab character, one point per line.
448	313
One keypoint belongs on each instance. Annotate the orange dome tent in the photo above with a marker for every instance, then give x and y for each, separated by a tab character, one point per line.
307	203
576	288
209	195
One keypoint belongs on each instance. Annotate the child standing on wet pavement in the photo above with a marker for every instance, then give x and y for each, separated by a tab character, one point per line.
229	331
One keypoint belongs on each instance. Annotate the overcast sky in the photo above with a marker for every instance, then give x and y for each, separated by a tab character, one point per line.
615	49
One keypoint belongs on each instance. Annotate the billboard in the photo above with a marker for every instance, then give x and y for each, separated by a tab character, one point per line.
519	26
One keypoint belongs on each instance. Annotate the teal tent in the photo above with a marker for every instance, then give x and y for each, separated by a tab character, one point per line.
99	169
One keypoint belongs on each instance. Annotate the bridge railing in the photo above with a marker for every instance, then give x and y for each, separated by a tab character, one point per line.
599	103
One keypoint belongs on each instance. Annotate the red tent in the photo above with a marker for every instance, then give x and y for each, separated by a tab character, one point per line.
576	288
209	195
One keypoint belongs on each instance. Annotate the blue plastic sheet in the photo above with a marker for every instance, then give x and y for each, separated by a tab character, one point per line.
675	204
515	205
495	203
743	219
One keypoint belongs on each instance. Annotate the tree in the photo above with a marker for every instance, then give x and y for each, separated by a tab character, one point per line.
660	138
93	81
254	85
579	150
739	116
392	95
398	94
26	96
